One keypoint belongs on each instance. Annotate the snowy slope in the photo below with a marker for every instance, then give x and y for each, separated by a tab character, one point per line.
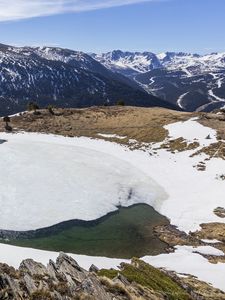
194	64
128	63
141	62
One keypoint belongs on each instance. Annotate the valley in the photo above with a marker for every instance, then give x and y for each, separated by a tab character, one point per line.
197	80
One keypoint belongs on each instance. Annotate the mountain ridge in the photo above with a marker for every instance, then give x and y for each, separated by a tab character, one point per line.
63	77
191	81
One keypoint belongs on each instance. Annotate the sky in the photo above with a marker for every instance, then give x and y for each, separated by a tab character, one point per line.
104	25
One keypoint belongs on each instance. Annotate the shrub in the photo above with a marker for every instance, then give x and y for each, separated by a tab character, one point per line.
6	119
32	106
50	109
120	103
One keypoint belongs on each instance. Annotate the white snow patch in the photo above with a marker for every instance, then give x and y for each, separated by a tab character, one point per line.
213	241
216	98
13	256
192	131
208	250
181	98
107	135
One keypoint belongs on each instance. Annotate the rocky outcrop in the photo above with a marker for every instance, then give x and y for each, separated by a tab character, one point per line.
66	280
63	279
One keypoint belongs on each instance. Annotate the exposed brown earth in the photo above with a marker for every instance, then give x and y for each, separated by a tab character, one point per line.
179	145
211	231
214	150
173	236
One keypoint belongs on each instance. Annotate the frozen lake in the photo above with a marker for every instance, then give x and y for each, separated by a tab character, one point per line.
48	179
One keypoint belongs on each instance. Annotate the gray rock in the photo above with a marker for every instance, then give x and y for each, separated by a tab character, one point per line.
33	268
93	268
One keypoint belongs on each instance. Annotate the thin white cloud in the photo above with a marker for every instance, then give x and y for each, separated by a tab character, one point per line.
23	9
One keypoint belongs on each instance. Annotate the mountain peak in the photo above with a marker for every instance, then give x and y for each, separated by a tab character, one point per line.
129	63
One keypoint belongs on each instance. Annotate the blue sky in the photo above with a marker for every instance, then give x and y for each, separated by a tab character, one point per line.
157	26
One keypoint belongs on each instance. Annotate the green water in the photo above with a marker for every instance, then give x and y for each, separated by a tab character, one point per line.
123	234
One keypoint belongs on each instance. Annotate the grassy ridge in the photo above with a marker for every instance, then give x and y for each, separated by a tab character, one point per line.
149	277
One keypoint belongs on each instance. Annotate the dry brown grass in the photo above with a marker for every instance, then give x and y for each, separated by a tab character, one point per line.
141	124
216	150
179	145
144	125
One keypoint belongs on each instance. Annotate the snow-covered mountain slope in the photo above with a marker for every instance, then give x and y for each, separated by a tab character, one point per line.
63	78
128	63
191	81
194	64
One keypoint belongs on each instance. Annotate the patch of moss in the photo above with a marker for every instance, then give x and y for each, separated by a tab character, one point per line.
108	273
149	277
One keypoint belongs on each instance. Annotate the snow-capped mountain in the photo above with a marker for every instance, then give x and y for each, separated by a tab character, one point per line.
192	81
128	63
193	62
63	78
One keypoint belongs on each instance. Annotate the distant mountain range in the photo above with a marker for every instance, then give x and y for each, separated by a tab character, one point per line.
191	81
67	78
63	78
